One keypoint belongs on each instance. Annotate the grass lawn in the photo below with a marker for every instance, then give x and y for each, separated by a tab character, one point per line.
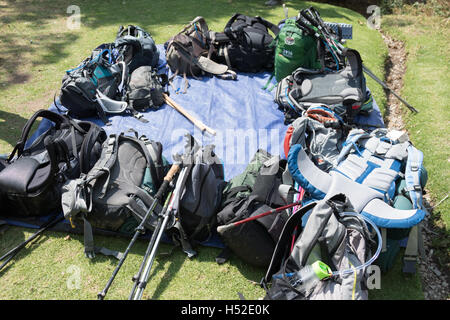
427	86
36	48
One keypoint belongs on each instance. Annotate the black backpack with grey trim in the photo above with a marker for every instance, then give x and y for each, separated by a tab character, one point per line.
254	241
33	175
119	188
245	44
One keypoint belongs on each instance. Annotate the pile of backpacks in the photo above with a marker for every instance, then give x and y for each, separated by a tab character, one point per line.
339	199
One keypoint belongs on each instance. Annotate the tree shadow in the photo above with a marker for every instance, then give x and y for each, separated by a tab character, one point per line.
10	125
49	48
17	44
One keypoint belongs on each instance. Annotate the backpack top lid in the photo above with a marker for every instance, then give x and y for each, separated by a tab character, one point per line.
137	47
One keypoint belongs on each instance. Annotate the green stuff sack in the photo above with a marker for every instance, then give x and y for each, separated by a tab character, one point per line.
294	49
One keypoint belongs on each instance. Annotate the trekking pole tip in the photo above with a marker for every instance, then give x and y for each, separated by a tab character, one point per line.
226	227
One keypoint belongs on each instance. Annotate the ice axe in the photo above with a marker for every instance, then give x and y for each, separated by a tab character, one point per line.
181	110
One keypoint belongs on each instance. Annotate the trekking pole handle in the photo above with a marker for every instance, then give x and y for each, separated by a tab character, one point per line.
308	16
167	179
172	172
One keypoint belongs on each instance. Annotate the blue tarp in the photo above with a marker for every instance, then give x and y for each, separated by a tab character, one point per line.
244	116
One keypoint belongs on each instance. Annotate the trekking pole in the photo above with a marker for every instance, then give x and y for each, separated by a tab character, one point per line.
385	86
310	17
150	245
12	253
142	281
141	227
232	225
340	48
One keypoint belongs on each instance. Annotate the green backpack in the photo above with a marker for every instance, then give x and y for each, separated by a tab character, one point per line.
294	49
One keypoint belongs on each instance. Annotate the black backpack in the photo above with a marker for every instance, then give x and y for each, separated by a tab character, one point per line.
254	241
245	44
118	189
33	174
137	47
201	197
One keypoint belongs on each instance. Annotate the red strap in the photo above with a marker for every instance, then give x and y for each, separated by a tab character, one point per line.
287	140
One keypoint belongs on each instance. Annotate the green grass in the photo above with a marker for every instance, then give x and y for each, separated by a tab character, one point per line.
36	48
427	87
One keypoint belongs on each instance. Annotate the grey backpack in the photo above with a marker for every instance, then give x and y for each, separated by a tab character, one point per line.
321	132
347	96
120	186
146	88
332	237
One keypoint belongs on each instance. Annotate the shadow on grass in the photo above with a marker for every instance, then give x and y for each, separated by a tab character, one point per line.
49	47
10	124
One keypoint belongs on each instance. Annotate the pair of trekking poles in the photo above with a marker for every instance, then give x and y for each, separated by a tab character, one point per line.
324	33
172	191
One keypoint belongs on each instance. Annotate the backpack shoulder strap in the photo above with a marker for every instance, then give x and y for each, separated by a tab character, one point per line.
47	114
104	164
269	25
413	172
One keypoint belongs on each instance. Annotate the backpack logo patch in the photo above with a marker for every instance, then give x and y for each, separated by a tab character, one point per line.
287	53
289	41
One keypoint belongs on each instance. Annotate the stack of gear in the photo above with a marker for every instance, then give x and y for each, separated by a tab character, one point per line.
382	175
347	182
325	260
32	176
257	190
111	80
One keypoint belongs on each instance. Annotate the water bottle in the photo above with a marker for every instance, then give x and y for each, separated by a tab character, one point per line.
309	275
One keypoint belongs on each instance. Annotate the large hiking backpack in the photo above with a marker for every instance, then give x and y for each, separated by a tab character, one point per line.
189	53
335	235
294	49
120	186
262	188
146	88
348	96
136	47
201	197
34	173
321	132
81	85
373	170
245	44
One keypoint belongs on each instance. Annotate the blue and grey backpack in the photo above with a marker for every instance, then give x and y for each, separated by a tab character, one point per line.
383	176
